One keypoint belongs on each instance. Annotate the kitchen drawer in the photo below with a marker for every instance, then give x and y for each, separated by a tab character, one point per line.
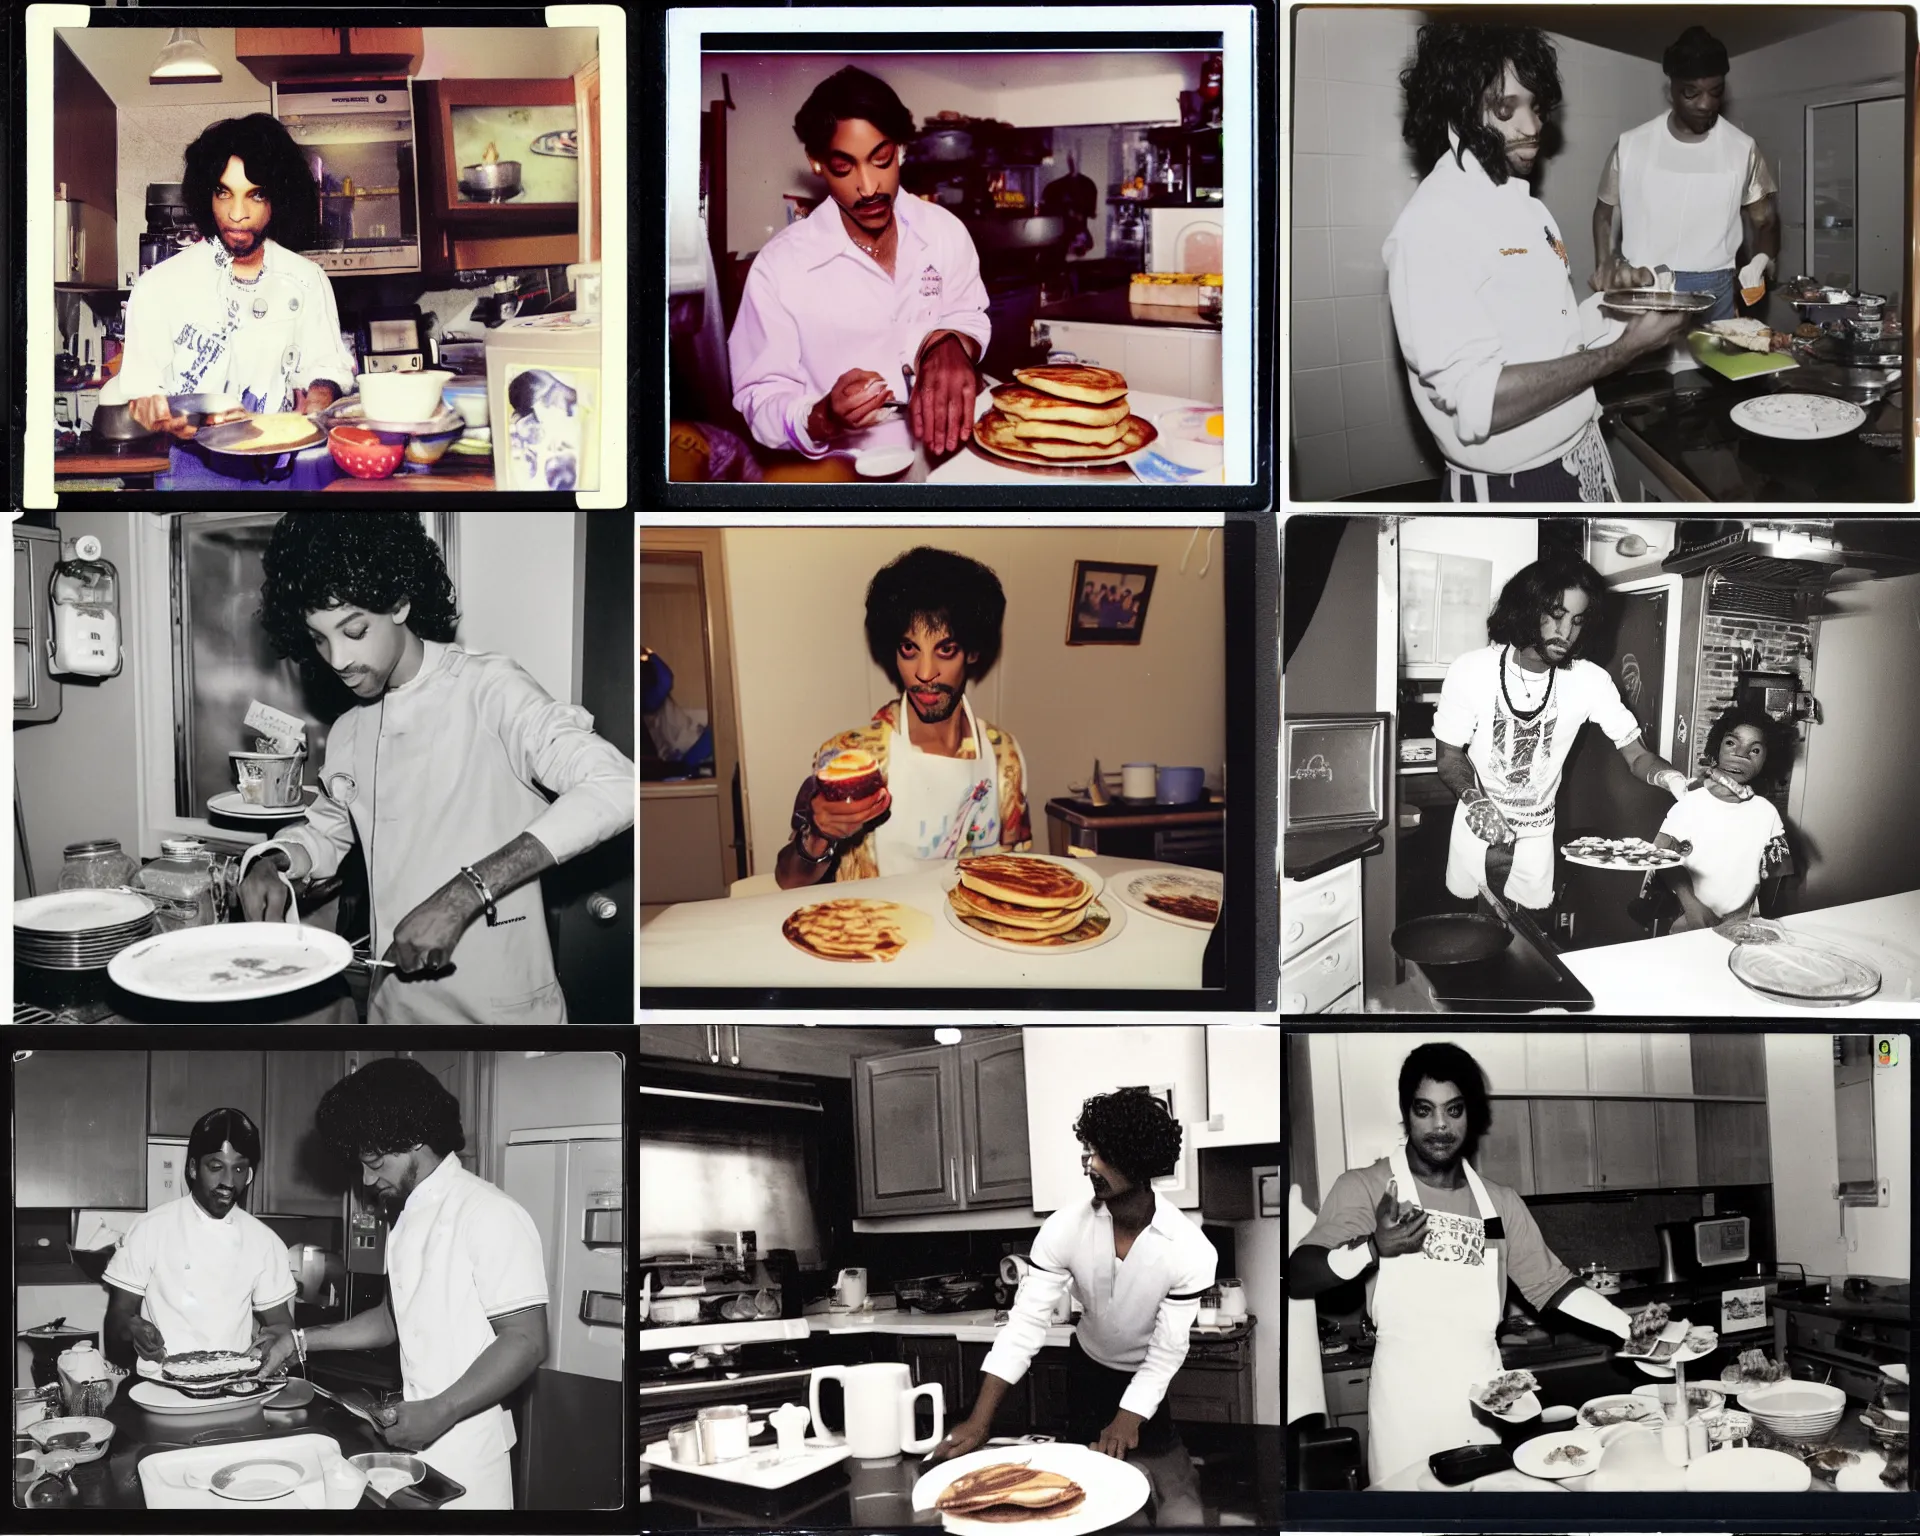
1317	976
1348	1002
1346	1391
1846	1335
1312	908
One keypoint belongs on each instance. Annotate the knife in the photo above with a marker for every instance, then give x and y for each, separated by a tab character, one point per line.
353	1408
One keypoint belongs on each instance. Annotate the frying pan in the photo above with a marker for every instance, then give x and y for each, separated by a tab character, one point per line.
1453	938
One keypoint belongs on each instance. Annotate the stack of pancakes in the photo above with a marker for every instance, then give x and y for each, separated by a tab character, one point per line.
1023	900
1068	412
1009	1491
850	929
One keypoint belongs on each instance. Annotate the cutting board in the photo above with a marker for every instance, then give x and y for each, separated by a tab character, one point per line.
1735	362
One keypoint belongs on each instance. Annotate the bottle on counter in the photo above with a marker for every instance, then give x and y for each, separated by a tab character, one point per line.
180	885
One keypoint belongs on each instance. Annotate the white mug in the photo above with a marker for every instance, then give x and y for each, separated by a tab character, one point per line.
1139	781
878	1409
1208	1317
850	1290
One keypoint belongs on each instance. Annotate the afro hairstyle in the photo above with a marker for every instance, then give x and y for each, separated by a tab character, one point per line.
216	1128
1535	590
1132	1132
370	560
1454	67
943	591
391	1104
1777	734
843	96
1696	54
1445	1062
273	163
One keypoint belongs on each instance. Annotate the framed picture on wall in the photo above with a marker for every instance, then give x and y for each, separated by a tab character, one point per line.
1108	602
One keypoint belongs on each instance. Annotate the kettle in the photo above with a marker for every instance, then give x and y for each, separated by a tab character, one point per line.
87	1381
878	1409
850	1290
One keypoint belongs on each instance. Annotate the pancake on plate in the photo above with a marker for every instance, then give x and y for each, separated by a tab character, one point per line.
1008	1492
1076	381
995	432
273	433
854	929
1036	407
1025	881
200	1366
1089	923
1027	922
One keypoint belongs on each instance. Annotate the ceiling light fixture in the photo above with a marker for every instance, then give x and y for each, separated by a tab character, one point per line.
184	61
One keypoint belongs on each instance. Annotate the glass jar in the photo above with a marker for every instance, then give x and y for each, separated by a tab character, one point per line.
95	865
180	884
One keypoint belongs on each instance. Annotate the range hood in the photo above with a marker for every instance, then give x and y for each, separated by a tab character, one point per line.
1803	554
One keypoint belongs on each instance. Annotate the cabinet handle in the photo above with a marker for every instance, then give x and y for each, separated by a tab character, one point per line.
973	1174
735	1059
951	1194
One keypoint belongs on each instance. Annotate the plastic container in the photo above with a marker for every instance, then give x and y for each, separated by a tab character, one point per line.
181	885
97	865
543	402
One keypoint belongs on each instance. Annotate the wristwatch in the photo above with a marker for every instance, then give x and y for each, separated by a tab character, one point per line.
803	824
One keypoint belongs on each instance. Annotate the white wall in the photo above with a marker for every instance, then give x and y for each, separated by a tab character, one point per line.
800	655
1884	1234
1329	1133
1509	543
515	586
1805	1163
1256	1246
571	1088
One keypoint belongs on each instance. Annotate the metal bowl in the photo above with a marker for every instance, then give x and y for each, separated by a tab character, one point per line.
1658	301
371	1462
500	176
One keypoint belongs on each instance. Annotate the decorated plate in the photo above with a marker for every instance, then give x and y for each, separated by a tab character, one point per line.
229	803
1620	853
1189	897
1797	417
1564	1453
155	1398
1101	923
230	962
1621	1408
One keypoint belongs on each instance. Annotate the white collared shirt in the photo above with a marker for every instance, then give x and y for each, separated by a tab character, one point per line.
1138	1311
1478	279
201	1279
462	1253
816	305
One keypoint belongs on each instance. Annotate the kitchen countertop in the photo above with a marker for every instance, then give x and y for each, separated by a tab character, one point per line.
973	1327
1686	973
1111	306
1879	1305
1530	975
1236	1468
1687	425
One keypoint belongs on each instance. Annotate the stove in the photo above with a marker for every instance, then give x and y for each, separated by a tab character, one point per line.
1527	975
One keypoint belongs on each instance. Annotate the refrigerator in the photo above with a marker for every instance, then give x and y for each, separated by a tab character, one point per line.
571	1181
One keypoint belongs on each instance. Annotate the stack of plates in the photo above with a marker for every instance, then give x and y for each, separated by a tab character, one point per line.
79	930
1796	1410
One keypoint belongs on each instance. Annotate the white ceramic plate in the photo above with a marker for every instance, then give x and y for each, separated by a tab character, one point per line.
1679	1357
1521	1410
1797	416
76	912
229	803
1115	1488
1633	853
1639	1410
1204	884
155	1398
1864	1475
1115	914
257	1478
1744	1469
230	962
1530	1456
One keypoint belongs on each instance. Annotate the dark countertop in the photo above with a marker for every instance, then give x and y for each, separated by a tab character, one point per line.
1314	853
1110	307
1883	1304
1686	424
1526	975
1237	1468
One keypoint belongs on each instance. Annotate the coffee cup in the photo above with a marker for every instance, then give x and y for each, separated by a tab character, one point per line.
1138	781
723	1432
1180	786
269	779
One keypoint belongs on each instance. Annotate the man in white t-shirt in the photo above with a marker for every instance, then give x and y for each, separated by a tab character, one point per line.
1684	184
1734	839
199	1272
1508	716
467	1280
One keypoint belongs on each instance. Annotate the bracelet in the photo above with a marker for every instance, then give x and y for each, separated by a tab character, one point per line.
800	847
494	920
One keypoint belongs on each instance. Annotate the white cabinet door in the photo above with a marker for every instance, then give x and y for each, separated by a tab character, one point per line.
1503	1058
1369	1090
1669	1063
1614	1063
1066	1067
1556	1061
1243	1086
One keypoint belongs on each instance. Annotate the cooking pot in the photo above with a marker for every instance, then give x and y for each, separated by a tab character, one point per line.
501	178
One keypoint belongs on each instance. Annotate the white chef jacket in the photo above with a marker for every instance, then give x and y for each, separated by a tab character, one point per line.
1680	203
1478	279
816	305
201	1279
462	1253
192	328
440	772
1138	1311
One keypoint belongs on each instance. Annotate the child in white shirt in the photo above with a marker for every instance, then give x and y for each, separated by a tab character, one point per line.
1733	838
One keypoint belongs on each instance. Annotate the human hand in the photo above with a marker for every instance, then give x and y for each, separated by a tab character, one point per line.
263	897
1649	331
1485	821
273	1345
842	819
155	414
1673	781
425	938
855	401
963	1437
1397	1228
413	1426
940	411
315	397
1121	1436
146	1339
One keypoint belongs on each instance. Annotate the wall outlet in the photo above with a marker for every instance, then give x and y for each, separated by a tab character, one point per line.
1563	924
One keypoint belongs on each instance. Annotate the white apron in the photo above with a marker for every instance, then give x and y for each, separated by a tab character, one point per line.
1529	882
1436	1319
942	806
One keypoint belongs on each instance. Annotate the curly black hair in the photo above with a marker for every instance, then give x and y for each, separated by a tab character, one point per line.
1454	68
1132	1132
1535	590
1445	1062
1696	54
1778	735
843	96
372	560
273	163
943	591
219	1126
389	1105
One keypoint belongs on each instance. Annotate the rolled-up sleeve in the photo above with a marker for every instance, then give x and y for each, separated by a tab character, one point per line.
1446	334
1172	1332
964	307
771	387
553	745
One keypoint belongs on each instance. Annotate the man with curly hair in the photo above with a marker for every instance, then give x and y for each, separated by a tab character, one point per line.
1498	361
466	1279
1135	1321
239	312
952	784
439	768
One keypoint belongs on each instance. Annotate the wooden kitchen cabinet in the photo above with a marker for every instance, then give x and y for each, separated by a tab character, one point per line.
1676	1135
347	53
184	1085
1016	1408
906	1119
1728	1065
86	157
1217	1387
1557	1062
1625	1148
79	1129
1615	1063
1734	1144
299	1174
1048	1379
1669	1063
933	1359
1562	1146
1505	1154
459	235
676	1042
993	1120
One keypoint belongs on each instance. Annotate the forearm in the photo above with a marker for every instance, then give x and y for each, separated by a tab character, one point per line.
993	1390
1647	766
792	870
1763	237
935	337
1310	1268
1605	235
1527	390
509	1360
371	1329
509	867
1455	771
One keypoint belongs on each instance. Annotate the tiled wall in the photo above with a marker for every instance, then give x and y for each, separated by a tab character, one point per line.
1779	643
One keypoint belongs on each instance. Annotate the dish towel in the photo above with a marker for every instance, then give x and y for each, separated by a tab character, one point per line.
293	901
